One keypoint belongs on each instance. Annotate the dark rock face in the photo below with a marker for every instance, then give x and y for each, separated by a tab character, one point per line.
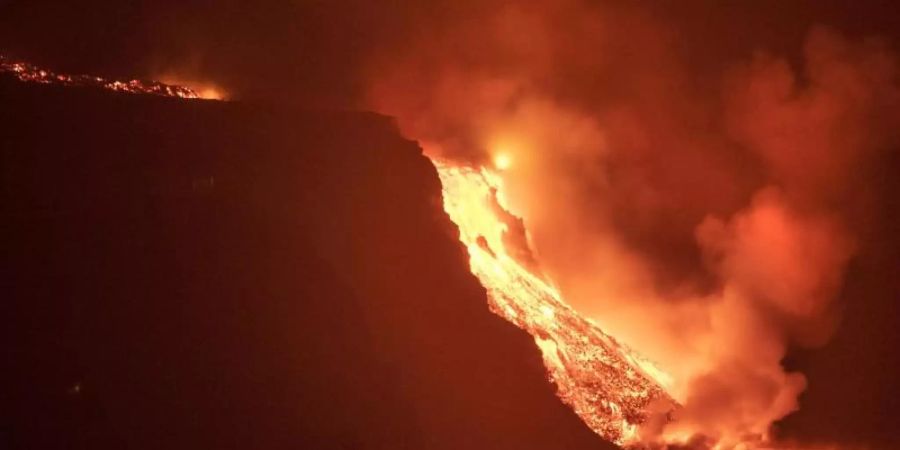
189	274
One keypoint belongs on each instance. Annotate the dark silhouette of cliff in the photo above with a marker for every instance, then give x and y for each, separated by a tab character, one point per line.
206	275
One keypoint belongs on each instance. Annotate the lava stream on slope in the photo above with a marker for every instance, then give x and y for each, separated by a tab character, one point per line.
612	389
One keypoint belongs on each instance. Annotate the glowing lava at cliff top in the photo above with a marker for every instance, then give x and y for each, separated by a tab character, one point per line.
31	73
612	389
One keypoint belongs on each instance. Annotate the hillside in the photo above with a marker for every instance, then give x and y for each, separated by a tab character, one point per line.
194	274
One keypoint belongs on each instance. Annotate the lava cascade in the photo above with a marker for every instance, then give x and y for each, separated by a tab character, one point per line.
609	386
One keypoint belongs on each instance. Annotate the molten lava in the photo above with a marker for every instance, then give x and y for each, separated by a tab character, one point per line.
611	388
31	73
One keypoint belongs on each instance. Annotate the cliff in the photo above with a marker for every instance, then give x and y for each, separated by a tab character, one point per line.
194	274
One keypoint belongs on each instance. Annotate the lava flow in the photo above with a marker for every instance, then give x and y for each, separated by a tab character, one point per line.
611	388
30	73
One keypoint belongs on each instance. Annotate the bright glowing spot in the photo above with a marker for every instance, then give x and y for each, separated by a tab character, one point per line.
201	88
547	311
210	93
502	161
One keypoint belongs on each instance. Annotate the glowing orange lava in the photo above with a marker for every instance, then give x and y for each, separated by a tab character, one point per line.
610	387
31	73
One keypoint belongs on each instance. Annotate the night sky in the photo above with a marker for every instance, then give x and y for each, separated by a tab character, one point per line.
317	50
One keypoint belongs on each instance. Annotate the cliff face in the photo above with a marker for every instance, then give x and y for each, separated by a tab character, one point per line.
190	274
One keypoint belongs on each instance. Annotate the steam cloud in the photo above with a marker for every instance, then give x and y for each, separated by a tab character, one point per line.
707	224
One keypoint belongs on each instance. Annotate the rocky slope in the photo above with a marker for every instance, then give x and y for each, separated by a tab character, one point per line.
194	274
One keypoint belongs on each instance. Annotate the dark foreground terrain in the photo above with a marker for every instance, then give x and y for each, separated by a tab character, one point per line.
203	275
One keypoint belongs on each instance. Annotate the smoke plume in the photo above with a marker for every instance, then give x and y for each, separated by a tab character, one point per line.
705	218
